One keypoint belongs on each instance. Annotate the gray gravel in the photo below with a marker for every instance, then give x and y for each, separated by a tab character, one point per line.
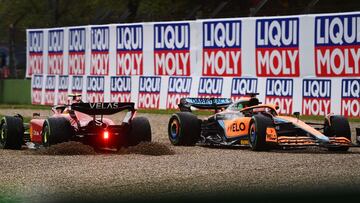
196	170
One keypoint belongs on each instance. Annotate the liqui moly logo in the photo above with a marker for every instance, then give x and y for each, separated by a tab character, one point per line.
95	88
178	88
277	47
120	89
36	48
316	97
241	87
100	37
172	49
76	51
50	84
280	92
77	84
36	87
210	87
63	86
337	45
149	92
129	46
350	97
221	48
55	50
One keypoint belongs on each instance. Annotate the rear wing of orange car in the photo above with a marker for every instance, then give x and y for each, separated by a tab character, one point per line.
204	103
103	108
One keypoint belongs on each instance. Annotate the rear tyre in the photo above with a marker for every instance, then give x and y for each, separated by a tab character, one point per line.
56	130
11	133
140	131
257	132
184	129
338	127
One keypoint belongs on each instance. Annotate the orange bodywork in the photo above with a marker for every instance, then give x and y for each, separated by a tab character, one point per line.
237	127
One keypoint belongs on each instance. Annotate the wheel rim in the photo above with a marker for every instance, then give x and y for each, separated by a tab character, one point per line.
3	135
45	135
252	134
174	129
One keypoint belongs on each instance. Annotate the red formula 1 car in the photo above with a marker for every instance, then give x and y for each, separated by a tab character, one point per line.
83	122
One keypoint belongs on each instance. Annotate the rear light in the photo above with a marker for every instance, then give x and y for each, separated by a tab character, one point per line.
106	135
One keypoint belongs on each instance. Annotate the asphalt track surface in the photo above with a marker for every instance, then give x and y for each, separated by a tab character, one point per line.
200	174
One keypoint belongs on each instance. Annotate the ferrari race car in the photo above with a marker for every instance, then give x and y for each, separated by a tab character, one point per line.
83	122
246	122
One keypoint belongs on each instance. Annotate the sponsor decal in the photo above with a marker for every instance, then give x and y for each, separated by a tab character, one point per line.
36	48
179	87
337	45
172	49
101	105
277	47
316	97
149	92
350	97
63	86
100	37
55	52
221	48
237	127
129	46
280	92
36	86
240	87
120	89
210	87
50	83
77	84
76	62
95	88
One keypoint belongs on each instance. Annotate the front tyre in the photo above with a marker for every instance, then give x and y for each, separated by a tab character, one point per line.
337	126
257	132
56	130
11	133
184	129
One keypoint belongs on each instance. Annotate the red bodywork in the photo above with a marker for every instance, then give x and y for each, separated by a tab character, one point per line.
36	124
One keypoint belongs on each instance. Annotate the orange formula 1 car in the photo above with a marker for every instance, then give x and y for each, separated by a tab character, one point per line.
248	123
83	122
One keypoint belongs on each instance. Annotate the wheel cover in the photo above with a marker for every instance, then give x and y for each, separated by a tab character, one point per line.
174	129
252	134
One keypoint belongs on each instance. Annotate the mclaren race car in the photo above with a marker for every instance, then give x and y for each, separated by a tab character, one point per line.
78	121
247	122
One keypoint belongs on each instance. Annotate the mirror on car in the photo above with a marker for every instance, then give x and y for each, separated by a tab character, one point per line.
296	114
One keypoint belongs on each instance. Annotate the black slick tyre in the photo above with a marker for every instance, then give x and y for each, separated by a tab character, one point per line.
56	130
11	132
184	129
257	132
140	131
338	126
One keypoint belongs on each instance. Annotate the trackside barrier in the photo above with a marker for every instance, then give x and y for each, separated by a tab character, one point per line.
305	63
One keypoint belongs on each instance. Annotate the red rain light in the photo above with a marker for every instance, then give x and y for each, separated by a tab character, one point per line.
106	135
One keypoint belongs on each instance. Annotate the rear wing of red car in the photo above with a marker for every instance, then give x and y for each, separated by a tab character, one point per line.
203	103
103	108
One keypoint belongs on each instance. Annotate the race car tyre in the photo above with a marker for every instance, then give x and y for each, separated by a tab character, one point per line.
56	130
338	127
140	131
11	133
257	132
184	129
